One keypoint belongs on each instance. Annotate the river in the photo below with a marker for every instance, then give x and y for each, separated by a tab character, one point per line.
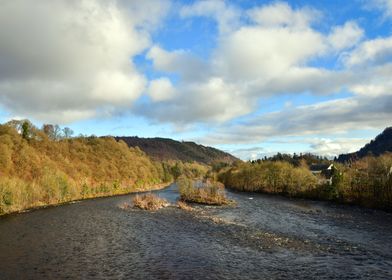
263	237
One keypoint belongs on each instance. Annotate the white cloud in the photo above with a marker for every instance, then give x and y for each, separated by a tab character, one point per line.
161	89
370	53
67	60
345	36
280	14
251	153
334	147
213	100
189	67
255	52
226	16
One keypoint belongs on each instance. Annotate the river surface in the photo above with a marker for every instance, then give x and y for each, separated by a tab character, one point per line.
263	237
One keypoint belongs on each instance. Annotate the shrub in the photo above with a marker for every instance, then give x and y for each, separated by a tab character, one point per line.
149	202
184	206
211	193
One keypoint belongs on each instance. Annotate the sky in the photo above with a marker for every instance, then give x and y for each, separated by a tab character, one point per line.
249	77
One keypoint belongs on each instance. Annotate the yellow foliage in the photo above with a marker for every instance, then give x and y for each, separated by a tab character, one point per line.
366	182
39	171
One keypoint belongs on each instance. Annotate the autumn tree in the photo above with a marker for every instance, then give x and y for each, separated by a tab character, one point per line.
48	129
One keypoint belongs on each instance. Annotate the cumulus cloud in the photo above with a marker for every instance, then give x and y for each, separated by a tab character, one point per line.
345	36
189	67
371	53
269	53
67	60
212	100
161	89
282	15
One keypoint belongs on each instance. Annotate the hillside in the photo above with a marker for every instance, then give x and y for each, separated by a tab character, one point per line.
168	149
36	170
381	144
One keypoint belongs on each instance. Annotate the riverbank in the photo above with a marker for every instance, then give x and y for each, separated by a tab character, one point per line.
40	205
366	182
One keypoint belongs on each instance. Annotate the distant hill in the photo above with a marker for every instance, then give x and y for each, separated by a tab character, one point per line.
381	144
169	149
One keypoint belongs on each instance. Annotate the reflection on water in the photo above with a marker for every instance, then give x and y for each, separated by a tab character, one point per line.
266	237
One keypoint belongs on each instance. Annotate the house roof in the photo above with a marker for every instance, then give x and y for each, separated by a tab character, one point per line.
319	167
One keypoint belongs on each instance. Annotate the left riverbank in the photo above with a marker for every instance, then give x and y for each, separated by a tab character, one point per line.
40	205
38	168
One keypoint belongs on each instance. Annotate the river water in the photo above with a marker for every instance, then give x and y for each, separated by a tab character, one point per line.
263	237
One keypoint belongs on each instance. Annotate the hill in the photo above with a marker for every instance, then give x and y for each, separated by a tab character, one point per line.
36	170
169	149
380	145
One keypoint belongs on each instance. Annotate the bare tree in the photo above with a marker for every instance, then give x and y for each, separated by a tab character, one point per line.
48	129
67	132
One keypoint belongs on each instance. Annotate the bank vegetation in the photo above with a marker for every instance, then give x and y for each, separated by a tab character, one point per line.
202	191
47	166
366	182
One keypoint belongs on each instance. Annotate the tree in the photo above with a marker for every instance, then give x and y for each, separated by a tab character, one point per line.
67	132
177	170
48	129
54	132
25	130
57	132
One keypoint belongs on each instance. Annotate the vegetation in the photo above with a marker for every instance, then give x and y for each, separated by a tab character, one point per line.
48	166
211	193
380	145
44	167
188	169
366	182
149	202
270	177
168	149
306	159
184	206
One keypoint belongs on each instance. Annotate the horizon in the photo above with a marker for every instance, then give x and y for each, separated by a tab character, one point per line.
252	78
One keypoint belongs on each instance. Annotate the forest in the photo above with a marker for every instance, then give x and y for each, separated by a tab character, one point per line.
47	166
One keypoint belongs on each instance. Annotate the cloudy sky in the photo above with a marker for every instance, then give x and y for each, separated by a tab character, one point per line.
249	77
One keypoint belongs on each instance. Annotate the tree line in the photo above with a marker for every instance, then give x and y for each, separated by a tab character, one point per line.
366	182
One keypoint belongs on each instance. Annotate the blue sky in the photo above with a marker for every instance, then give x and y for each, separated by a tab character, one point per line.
250	77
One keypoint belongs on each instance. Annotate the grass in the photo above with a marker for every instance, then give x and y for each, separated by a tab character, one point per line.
149	202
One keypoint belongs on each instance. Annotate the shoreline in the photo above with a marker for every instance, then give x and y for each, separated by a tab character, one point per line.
314	199
155	187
